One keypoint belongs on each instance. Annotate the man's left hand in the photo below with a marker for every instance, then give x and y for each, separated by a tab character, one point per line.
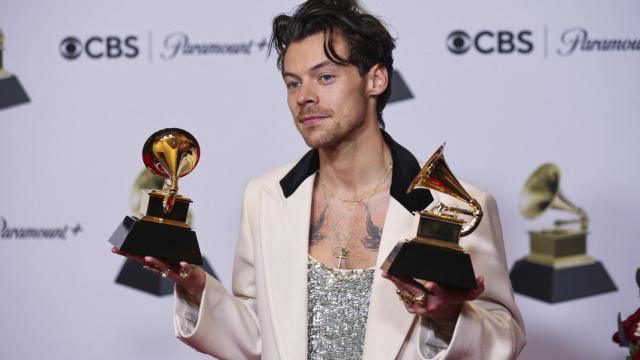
432	300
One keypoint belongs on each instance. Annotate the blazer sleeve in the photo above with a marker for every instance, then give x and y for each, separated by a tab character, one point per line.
491	326
226	324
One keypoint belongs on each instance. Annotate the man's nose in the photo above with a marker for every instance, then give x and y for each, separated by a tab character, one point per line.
307	95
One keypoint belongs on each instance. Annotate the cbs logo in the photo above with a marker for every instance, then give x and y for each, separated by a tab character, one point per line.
96	47
489	42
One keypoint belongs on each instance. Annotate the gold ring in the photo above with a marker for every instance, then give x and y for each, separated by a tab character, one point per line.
164	273
406	297
185	272
151	268
420	300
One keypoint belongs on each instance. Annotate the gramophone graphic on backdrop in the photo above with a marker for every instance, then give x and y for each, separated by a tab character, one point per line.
11	92
558	268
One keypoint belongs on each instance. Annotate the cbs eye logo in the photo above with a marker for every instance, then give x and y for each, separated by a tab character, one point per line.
97	47
488	42
458	42
71	48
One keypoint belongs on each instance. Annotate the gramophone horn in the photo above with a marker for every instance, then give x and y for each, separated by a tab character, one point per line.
171	153
542	191
436	175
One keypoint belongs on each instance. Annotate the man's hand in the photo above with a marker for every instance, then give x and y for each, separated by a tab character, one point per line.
438	302
190	277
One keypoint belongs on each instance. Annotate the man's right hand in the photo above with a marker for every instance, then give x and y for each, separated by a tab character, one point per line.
192	284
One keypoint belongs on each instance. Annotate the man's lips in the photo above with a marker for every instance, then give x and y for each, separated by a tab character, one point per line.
312	119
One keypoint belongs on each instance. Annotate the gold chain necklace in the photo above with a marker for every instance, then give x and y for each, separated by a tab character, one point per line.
342	252
368	196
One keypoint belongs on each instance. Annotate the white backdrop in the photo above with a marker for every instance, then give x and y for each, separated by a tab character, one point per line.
72	153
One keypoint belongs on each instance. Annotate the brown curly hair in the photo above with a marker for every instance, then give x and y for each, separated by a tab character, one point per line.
368	40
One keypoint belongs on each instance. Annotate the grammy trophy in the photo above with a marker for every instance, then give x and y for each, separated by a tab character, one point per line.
434	254
558	267
160	228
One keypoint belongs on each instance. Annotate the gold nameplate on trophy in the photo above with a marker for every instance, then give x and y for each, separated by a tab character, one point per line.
558	267
160	227
435	254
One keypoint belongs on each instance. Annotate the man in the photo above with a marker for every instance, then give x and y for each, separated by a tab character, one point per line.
313	234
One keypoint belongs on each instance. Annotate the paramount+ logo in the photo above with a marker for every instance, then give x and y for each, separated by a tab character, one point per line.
487	42
100	47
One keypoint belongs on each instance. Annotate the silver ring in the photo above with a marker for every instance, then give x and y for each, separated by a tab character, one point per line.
164	273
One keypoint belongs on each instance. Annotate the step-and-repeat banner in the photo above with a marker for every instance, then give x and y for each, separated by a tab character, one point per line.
507	85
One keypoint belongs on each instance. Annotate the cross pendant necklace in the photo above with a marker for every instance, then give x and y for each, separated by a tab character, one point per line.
340	255
342	252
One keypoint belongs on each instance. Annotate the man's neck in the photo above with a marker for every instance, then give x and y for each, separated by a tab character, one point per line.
355	165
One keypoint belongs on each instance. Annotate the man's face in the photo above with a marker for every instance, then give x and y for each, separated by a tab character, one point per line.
328	101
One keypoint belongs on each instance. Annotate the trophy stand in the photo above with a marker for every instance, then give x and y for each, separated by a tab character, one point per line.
11	92
151	232
558	268
434	253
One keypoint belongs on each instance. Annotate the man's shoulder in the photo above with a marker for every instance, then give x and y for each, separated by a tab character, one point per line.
270	180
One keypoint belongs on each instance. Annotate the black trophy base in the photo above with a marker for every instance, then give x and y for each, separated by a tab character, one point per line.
166	242
11	92
134	276
560	284
441	265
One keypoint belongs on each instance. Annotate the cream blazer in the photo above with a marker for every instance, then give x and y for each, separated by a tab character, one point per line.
265	315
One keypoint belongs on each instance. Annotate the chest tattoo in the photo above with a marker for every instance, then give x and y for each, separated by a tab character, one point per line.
315	232
343	227
374	233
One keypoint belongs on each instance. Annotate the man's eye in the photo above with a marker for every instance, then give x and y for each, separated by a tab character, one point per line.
327	77
292	85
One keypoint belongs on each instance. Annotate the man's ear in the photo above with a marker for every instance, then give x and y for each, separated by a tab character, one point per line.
378	79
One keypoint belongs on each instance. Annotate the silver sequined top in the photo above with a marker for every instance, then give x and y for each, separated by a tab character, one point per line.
337	311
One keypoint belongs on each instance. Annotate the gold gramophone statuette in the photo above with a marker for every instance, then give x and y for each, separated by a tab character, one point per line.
558	267
160	227
170	154
561	245
439	230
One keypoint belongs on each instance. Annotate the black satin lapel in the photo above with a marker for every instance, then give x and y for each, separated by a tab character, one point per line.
405	168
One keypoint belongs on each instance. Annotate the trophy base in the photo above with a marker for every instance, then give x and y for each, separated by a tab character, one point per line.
165	242
445	266
11	92
557	243
134	276
559	284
